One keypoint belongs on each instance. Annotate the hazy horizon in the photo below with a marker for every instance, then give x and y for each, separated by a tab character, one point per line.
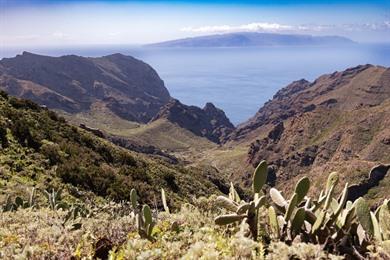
81	22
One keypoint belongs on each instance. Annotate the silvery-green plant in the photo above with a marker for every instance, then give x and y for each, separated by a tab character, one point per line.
242	210
54	200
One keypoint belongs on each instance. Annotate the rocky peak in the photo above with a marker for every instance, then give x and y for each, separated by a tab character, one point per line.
291	89
209	107
26	53
210	122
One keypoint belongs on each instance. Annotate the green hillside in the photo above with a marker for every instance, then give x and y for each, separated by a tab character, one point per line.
39	149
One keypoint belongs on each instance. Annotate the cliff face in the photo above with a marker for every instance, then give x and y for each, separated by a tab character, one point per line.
339	122
282	106
129	87
209	122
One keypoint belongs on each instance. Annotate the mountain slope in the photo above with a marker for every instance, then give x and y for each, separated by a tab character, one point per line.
242	39
339	122
40	149
129	87
168	136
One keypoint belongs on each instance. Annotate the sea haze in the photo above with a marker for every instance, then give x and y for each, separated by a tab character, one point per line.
238	80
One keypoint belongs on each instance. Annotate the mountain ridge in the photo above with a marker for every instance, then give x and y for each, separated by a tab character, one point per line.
245	39
339	119
129	87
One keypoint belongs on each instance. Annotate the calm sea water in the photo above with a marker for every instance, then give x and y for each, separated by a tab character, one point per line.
238	80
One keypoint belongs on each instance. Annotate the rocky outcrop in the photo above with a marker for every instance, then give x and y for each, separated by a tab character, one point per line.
376	174
129	87
209	122
95	131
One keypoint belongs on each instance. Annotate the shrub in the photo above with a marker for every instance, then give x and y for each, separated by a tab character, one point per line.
3	94
21	131
24	104
52	152
3	135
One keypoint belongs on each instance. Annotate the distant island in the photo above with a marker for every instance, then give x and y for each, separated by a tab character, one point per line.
247	39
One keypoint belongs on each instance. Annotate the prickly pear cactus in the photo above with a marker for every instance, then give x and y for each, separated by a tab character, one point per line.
260	176
302	188
363	215
241	210
144	218
164	201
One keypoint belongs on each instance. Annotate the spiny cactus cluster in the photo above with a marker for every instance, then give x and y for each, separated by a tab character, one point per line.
324	221
333	222
337	224
241	210
10	205
144	218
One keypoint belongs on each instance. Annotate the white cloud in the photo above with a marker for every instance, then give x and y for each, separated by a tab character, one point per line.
277	27
60	35
251	27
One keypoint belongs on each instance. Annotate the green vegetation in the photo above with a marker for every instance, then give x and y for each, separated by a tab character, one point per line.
39	149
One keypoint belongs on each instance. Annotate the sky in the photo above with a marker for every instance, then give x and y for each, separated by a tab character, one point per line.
85	22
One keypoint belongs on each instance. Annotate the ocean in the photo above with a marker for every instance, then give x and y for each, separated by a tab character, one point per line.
237	80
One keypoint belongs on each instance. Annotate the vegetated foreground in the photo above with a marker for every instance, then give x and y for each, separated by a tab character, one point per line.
271	227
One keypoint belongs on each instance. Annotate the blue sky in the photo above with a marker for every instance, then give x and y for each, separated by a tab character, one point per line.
75	22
